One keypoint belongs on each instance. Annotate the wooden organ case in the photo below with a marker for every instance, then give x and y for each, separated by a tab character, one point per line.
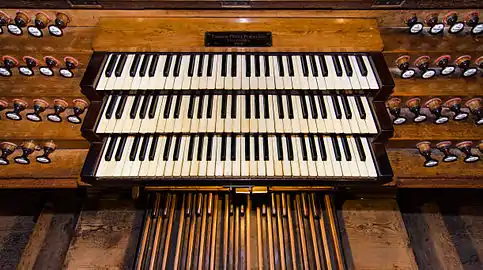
240	123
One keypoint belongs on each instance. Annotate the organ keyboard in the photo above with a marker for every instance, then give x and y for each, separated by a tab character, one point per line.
237	116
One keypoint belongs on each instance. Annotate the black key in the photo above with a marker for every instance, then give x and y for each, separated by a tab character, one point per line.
279	147
120	148
167	106
134	65
154	64
110	107
135	105
199	72
256	143
266	107
191	147
313	65
233	147
134	148
167	147
313	150
247	147
347	65
177	65
223	65
248	69
209	72
290	66
323	109
233	65
209	147
223	148
257	106
144	66
177	106
337	66
305	67
224	101
191	66
167	65
347	108
290	107
266	154
323	152
120	107
199	156
267	66
177	146
304	148
303	103
280	66
144	147
362	65
313	107
199	113
335	102
360	107
288	139
110	148
152	149
110	65
248	113
360	148
144	107
335	145
257	65
209	108
191	106
120	64
153	106
233	106
323	66
280	107
345	146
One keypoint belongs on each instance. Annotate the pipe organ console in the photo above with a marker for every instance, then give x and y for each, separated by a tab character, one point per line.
237	124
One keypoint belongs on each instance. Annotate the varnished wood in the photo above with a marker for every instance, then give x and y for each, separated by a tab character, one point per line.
438	87
163	34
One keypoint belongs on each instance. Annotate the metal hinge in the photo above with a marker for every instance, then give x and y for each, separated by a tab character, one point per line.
250	190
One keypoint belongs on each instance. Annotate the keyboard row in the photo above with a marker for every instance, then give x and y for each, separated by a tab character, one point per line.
151	113
152	71
230	155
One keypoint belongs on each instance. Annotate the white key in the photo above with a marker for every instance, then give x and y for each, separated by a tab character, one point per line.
371	166
336	166
237	126
262	172
363	84
211	122
136	82
278	81
195	121
371	77
245	122
136	164
331	115
277	122
316	168
370	122
262	80
321	125
168	169
360	165
278	166
159	80
103	163
294	164
169	84
211	166
287	80
219	122
101	84
228	79
245	81
186	166
237	81
204	78
178	164
118	128
253	79
101	126
352	164
183	81
269	164
346	83
311	78
227	164
220	80
253	164
218	163
329	124
244	164
330	80
112	80
270	80
169	127
302	80
236	164
346	127
356	122
122	167
161	162
320	79
311	122
302	123
195	80
149	124
297	70
183	114
144	85
304	171
195	162
203	163
262	122
268	120
228	121
253	120
161	123
153	164
354	80
112	122
324	167
203	121
128	79
212	80
287	122
121	81
144	168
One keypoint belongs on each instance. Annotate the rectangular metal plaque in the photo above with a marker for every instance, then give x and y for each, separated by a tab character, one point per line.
238	39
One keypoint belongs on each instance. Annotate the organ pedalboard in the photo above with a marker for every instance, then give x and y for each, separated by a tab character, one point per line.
239	118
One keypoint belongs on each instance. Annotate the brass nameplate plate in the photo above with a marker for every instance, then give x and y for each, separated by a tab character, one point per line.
238	39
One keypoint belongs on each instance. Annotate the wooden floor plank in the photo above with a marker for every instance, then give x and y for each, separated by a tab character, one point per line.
106	236
374	235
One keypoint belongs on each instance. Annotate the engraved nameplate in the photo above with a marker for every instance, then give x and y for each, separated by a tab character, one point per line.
238	39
